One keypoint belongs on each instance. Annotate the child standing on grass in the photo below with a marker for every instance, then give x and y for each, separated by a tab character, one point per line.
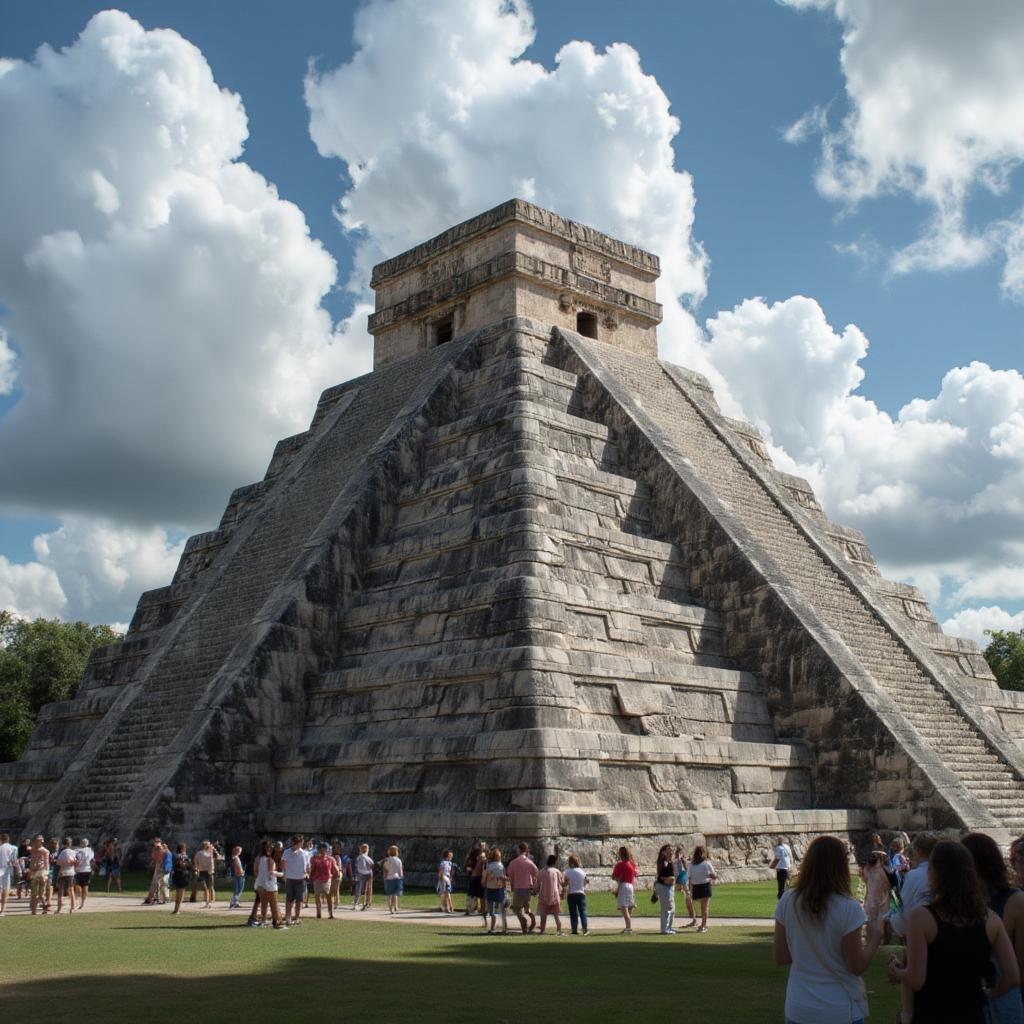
237	869
624	874
364	878
576	883
702	874
550	885
181	871
444	881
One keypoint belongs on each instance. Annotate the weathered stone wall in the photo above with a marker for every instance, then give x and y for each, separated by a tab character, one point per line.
514	260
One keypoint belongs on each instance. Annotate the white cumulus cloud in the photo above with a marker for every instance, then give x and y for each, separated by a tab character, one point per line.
438	117
165	301
936	110
31	590
8	371
103	566
972	623
938	489
89	569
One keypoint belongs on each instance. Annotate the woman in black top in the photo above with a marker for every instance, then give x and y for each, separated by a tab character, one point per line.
180	870
665	889
950	943
1007	902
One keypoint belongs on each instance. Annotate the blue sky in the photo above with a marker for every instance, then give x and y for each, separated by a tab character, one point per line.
738	74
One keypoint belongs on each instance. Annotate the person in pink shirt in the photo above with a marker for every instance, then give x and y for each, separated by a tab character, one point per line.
624	873
550	884
323	868
522	880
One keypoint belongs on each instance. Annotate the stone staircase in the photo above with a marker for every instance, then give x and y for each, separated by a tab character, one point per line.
679	409
175	693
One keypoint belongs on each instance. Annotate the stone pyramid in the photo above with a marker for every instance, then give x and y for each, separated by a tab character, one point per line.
525	581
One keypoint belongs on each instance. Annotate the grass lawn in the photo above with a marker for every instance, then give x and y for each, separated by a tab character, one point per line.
736	899
150	967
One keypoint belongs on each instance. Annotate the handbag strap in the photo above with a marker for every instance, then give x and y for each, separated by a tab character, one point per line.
824	963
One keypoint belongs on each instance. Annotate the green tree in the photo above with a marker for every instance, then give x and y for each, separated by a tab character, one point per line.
40	661
1005	656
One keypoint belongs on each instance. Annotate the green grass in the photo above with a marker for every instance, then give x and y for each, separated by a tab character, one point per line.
150	967
735	899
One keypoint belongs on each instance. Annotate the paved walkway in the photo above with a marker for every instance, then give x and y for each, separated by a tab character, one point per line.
98	903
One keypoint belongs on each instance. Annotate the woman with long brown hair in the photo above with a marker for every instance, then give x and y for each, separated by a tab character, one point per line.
267	873
1007	902
950	943
818	935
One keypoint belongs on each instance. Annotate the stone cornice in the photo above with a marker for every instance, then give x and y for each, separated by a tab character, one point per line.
527	213
524	265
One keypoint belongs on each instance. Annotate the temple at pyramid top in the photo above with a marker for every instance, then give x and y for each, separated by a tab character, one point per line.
515	260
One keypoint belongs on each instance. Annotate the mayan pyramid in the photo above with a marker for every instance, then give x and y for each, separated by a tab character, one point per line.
524	580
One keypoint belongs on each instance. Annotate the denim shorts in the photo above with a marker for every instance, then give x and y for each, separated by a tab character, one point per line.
495	899
294	889
392	886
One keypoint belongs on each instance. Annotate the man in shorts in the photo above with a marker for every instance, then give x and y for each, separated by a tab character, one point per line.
522	879
296	871
65	861
8	869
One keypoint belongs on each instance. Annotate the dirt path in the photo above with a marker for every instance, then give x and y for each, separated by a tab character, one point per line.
98	904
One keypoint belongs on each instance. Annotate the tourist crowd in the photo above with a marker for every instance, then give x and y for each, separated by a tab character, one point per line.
956	904
953	902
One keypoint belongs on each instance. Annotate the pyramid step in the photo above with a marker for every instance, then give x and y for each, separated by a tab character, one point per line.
553	743
530	440
610	504
501	365
363	672
499	383
527	458
500	414
623	612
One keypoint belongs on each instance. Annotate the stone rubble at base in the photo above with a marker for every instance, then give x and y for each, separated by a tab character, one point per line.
526	584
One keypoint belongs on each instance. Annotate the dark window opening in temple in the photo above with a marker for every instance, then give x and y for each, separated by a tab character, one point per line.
444	330
586	324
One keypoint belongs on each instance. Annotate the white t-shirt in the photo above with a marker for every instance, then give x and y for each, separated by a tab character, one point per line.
84	857
66	862
821	988
392	868
784	855
364	864
576	879
8	857
296	864
265	877
702	872
915	893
